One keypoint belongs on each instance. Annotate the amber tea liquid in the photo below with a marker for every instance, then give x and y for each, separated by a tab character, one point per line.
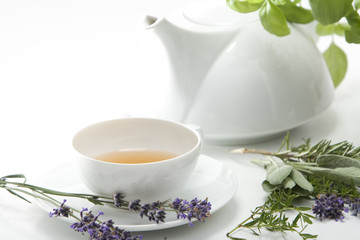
135	156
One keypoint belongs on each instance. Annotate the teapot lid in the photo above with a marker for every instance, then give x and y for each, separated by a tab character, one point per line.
216	13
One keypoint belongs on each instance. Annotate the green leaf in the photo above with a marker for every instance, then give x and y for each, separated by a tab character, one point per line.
353	35
334	161
357	4
297	14
15	176
273	19
330	11
244	6
19	196
307	236
255	1
267	187
338	29
307	219
336	62
301	181
277	172
353	18
288	183
346	175
278	2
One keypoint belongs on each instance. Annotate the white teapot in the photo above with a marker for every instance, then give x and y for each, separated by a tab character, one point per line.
236	81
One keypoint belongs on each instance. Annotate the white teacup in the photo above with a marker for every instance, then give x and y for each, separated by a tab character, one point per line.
151	181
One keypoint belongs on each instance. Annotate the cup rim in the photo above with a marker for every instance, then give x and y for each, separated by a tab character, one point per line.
193	149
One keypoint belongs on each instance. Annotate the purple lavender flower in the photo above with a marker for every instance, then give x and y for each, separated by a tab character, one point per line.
329	206
197	209
97	230
354	206
135	205
118	199
63	210
154	211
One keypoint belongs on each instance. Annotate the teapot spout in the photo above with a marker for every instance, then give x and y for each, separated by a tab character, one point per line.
191	54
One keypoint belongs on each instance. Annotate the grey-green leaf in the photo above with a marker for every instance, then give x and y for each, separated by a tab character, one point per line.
334	161
336	62
267	187
244	6
273	19
330	11
288	183
346	175
301	181
277	172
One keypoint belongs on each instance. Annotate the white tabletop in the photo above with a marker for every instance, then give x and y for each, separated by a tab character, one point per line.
66	64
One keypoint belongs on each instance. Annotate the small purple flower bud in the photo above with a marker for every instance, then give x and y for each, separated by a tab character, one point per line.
63	210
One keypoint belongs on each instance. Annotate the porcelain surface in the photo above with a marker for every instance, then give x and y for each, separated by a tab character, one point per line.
210	179
147	181
236	81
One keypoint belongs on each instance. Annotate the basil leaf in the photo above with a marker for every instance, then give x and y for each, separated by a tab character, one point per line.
277	172
330	11
352	35
294	13
273	19
301	181
338	29
336	62
334	161
244	6
353	18
357	4
278	2
255	1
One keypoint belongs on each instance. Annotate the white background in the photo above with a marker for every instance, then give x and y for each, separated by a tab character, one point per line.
66	64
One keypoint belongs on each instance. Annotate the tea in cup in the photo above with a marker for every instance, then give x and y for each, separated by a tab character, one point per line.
144	158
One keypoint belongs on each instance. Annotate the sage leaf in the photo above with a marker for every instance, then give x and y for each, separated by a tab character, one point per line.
288	183
301	181
335	161
267	187
330	11
346	175
352	35
336	62
277	172
296	14
273	19
244	6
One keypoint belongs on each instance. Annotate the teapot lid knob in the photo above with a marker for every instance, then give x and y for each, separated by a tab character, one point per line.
216	13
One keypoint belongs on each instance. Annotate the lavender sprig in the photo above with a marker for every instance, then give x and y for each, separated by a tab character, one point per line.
195	209
89	223
331	206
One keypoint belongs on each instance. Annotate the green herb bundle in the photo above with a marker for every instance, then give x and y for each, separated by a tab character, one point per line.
326	173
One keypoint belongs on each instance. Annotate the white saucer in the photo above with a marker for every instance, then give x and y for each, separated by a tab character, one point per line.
211	179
